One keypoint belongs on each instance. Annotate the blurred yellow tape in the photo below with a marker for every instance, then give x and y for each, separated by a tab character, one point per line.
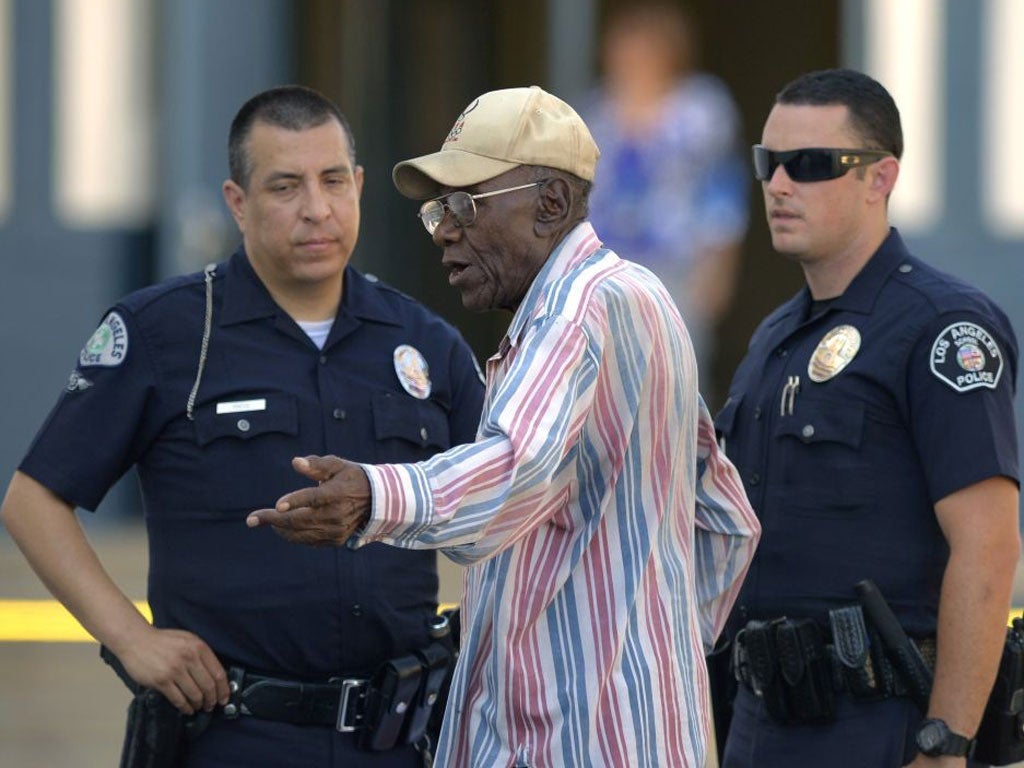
47	621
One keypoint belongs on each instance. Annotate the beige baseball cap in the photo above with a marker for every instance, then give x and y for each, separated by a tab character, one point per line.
498	132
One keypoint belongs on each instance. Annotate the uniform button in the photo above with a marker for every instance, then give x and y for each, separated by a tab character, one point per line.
757	413
807	431
357	610
904	268
230	710
424	434
243	425
323	359
338	413
754	479
781	352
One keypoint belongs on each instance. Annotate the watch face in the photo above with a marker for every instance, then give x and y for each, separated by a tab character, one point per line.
931	737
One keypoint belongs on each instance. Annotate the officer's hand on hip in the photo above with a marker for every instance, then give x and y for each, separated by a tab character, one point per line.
178	664
328	513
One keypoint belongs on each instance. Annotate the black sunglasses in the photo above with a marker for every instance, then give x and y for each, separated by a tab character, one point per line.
812	164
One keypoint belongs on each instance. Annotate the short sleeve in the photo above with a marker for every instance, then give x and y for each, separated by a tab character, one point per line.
93	435
960	387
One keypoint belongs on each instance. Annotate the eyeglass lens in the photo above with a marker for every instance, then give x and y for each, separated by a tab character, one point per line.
461	205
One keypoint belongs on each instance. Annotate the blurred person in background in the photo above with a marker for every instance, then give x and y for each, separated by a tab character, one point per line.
671	190
209	383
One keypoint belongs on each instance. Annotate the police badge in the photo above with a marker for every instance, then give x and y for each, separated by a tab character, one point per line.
833	353
412	371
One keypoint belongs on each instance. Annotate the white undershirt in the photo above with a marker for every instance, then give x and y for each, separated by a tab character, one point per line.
317	331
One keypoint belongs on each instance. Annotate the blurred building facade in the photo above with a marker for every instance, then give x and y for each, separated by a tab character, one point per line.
114	116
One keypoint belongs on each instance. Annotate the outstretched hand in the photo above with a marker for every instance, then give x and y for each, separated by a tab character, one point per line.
327	513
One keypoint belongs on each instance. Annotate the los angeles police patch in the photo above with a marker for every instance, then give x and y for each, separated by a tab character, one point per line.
108	346
966	357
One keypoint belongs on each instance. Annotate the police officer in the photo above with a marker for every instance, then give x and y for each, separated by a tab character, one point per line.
209	384
872	423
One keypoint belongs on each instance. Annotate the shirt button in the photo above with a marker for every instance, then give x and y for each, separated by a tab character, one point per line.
904	268
338	413
807	431
243	425
757	413
323	359
781	352
424	434
357	610
754	479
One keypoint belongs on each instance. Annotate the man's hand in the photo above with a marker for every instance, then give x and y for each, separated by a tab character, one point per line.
179	665
328	513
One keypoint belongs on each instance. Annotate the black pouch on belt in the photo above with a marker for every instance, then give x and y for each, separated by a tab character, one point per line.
852	646
758	642
805	669
391	693
435	660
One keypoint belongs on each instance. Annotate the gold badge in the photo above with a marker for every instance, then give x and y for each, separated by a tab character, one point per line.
413	371
834	352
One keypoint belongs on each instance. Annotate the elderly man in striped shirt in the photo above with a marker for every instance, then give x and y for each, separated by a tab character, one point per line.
604	533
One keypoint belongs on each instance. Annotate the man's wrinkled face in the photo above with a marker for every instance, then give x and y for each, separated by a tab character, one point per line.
493	261
299	212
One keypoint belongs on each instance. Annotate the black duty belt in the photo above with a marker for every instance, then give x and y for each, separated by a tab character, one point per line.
392	707
338	702
798	668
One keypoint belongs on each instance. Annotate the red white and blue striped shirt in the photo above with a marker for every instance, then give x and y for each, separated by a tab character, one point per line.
606	536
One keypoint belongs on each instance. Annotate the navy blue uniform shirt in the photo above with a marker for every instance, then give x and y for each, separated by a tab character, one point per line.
849	424
266	394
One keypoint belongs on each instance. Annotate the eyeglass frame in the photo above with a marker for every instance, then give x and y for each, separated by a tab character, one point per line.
446	207
842	160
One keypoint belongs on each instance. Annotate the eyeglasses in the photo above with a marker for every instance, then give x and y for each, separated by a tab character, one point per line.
812	164
461	204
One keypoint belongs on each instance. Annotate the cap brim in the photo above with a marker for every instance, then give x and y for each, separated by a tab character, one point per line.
422	177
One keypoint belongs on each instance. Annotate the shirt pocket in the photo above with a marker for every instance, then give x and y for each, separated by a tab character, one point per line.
245	452
247	418
406	429
821	461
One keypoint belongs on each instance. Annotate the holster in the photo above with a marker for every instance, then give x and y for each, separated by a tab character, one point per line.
1000	737
156	733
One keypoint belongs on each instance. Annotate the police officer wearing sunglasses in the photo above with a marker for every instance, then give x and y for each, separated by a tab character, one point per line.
872	423
208	384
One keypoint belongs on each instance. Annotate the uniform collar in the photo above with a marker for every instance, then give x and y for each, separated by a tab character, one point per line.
861	294
574	248
246	297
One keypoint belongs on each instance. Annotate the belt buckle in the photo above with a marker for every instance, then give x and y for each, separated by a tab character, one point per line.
345	702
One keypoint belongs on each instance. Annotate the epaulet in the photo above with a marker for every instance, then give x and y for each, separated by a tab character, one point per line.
139	300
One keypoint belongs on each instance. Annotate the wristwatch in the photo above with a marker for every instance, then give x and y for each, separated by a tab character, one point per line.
934	738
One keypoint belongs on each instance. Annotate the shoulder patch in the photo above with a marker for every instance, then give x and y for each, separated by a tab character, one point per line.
108	346
966	357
